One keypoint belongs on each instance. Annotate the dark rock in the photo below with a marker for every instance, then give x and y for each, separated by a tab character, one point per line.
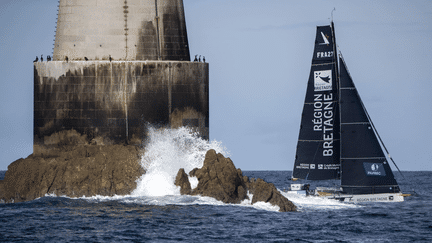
218	178
261	190
267	192
192	172
73	171
182	181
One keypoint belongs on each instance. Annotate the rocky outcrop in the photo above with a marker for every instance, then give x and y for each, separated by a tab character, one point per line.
183	182
73	171
267	192
218	178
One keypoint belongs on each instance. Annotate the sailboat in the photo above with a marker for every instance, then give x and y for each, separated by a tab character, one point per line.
337	138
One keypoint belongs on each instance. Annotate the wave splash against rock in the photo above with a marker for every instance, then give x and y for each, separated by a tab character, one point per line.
219	178
165	152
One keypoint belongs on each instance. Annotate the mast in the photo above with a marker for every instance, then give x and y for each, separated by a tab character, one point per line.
339	93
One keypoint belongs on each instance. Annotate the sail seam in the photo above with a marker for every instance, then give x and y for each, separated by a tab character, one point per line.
366	158
354	123
323	64
335	101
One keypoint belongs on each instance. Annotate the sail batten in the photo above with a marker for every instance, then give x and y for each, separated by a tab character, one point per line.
354	123
322	64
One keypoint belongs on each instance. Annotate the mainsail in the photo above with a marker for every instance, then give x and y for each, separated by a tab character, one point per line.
317	156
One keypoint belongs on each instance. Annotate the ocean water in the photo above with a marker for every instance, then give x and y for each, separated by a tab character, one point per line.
156	212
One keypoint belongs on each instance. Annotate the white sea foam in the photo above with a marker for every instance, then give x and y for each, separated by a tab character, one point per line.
316	203
259	205
165	152
193	181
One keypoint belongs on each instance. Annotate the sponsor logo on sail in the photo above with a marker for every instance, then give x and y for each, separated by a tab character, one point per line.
303	166
323	80
374	169
325	39
324	120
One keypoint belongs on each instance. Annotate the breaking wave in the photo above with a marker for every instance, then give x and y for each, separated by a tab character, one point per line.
165	152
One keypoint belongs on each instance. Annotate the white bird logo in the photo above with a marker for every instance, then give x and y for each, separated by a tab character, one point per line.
326	41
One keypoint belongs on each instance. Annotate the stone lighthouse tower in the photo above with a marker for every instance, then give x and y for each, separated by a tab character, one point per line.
117	65
133	30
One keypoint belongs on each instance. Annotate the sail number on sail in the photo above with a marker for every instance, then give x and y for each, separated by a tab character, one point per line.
322	54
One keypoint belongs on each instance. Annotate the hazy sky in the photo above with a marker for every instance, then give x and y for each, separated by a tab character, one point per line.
260	54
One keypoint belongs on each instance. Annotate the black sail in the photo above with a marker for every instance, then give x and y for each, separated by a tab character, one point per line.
317	155
365	169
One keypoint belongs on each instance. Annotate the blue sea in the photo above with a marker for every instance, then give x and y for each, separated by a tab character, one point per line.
158	213
172	218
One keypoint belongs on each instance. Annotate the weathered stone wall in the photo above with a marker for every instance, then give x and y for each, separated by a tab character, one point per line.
125	29
114	100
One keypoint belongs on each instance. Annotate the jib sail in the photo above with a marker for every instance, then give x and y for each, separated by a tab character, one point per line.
365	169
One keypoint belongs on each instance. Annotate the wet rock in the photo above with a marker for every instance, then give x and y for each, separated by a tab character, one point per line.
218	178
73	171
182	181
267	192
